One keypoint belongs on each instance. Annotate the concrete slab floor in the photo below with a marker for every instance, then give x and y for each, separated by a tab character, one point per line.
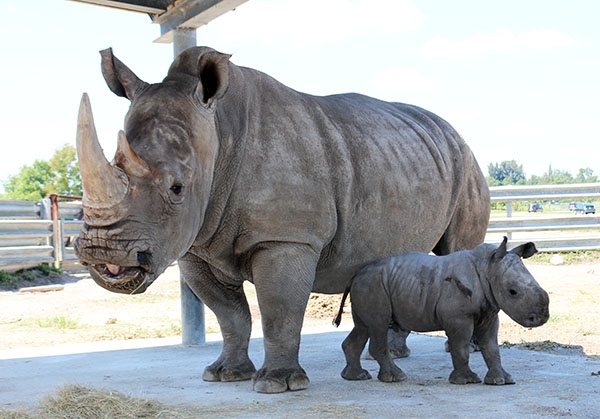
547	384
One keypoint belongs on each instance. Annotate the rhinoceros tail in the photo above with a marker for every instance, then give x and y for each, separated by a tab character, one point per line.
338	319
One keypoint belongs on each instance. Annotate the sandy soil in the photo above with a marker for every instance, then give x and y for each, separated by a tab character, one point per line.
85	312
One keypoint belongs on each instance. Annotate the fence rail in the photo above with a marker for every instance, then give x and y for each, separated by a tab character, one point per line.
28	235
545	192
27	241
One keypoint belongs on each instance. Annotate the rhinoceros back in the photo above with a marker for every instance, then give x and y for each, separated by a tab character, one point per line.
356	178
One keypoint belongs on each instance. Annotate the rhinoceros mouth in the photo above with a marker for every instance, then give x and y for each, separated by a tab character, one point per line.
120	279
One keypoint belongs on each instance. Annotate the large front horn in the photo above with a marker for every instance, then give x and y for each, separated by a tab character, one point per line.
103	185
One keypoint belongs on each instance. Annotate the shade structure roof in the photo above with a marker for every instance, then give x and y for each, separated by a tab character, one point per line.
173	14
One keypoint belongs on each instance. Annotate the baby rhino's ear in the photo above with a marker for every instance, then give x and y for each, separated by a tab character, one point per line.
525	250
463	286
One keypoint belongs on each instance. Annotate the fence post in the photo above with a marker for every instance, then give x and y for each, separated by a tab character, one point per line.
508	215
57	230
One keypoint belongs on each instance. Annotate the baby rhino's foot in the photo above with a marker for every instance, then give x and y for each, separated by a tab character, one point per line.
355	374
395	375
498	378
464	377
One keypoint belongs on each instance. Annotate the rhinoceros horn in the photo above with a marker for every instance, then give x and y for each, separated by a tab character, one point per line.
128	160
103	184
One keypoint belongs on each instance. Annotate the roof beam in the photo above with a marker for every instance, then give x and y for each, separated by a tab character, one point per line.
143	6
191	14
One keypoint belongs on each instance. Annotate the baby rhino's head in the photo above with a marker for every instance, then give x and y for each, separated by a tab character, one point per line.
514	288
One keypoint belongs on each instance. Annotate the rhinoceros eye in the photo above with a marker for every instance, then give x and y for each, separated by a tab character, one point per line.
177	188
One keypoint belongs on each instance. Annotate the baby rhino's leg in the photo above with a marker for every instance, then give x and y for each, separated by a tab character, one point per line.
488	341
353	346
459	333
377	319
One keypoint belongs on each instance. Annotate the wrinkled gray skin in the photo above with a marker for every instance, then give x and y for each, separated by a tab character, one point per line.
460	293
241	178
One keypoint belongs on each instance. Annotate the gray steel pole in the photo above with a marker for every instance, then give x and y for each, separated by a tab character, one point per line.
192	309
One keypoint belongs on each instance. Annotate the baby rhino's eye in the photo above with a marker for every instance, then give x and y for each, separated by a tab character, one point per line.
512	292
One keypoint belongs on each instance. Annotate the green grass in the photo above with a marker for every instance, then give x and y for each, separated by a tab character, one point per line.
561	318
570	258
56	322
126	331
29	274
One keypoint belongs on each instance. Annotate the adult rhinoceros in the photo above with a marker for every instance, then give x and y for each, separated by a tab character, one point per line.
241	178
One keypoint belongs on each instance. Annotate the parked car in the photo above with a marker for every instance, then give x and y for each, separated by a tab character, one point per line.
535	208
584	209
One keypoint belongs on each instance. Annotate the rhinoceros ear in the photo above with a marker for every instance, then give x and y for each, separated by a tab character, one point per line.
213	71
120	79
525	250
500	252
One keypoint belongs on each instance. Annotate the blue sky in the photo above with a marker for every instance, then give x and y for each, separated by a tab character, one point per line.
518	79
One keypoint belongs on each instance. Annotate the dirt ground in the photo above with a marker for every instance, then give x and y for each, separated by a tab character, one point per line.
84	312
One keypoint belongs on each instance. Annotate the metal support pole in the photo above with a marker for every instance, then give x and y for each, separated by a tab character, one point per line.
183	38
192	309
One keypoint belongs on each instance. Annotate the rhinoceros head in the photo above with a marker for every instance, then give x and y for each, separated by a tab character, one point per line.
517	293
144	209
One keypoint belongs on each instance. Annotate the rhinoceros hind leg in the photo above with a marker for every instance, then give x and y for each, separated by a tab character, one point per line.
279	380
353	346
397	343
219	372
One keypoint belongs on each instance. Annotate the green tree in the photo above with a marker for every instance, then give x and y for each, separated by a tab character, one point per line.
506	173
65	167
58	175
586	176
553	177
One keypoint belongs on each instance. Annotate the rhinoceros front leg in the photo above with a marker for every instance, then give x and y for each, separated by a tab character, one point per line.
283	274
459	333
488	341
231	308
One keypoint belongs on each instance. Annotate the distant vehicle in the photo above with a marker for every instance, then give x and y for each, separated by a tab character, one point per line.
584	209
535	208
572	206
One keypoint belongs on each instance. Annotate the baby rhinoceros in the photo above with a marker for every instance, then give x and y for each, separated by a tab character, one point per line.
460	293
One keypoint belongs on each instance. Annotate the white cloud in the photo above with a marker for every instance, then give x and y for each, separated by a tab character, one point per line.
316	22
501	41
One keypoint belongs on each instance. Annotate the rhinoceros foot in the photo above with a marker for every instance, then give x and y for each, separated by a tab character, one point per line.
279	380
498	378
220	372
349	373
394	375
464	377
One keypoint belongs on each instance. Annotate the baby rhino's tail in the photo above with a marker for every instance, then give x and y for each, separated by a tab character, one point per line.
338	319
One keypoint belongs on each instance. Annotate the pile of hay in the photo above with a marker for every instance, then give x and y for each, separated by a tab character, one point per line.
77	402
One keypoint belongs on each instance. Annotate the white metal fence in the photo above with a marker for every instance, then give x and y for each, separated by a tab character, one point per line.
562	232
29	237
